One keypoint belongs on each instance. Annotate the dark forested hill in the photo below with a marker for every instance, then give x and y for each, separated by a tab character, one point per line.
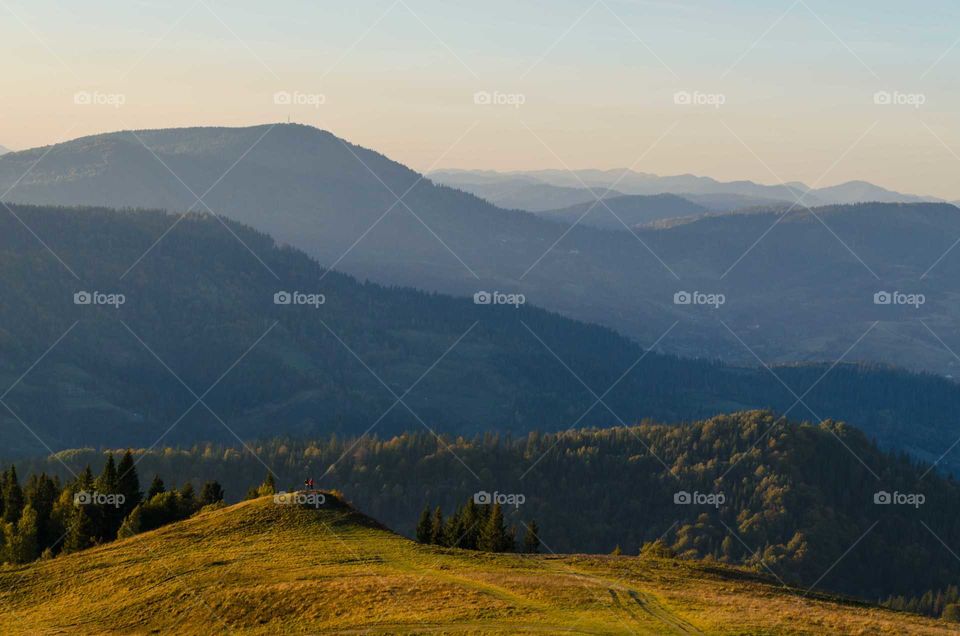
799	288
789	499
199	320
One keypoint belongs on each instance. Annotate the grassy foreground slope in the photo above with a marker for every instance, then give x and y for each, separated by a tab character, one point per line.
262	568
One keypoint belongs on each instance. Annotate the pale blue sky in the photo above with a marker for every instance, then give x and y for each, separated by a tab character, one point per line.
597	80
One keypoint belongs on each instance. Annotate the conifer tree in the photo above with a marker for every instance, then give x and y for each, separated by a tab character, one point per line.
423	526
128	483
12	497
80	534
436	527
531	540
156	488
493	535
211	493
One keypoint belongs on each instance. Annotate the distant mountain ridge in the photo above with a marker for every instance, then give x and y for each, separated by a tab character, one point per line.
4	150
632	182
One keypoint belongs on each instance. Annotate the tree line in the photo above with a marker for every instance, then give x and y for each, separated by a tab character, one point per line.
46	516
475	526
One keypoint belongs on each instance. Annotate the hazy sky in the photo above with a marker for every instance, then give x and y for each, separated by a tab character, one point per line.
597	81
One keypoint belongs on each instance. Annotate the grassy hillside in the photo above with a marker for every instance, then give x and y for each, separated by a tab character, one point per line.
262	568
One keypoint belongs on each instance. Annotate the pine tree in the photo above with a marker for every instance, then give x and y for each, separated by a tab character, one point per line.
454	530
423	526
531	540
107	517
12	497
211	493
80	533
187	494
156	488
436	527
493	535
128	483
473	519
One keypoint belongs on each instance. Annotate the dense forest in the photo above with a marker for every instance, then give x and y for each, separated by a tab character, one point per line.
796	499
43	518
199	320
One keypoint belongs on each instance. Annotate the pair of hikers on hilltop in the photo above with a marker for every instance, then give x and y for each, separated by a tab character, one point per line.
308	484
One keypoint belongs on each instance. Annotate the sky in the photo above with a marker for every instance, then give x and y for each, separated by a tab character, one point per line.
796	90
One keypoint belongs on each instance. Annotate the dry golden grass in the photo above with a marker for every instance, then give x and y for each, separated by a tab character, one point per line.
262	568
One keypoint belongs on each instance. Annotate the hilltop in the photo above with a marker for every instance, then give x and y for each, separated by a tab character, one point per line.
262	568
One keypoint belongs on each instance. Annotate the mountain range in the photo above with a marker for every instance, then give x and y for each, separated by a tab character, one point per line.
503	188
278	345
797	286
